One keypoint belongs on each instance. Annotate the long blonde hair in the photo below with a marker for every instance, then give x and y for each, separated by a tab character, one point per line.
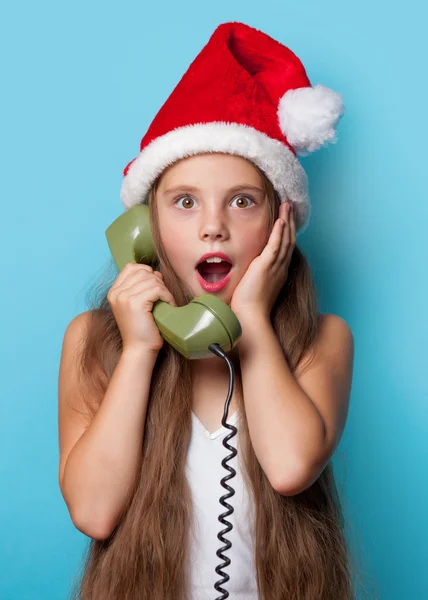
300	549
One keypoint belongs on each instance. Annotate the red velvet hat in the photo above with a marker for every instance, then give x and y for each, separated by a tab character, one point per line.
246	94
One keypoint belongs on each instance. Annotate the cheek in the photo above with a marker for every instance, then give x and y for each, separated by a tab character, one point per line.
254	242
174	242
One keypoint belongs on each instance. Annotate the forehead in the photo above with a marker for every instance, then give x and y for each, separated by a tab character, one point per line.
214	170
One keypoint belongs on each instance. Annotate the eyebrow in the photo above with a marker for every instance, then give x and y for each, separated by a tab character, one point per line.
196	189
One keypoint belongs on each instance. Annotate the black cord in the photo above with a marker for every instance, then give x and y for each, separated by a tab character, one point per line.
217	350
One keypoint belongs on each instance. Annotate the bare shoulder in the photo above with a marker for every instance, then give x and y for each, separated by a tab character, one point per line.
72	345
336	326
73	340
334	335
335	342
77	327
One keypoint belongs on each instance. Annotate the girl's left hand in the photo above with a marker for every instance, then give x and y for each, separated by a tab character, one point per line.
258	290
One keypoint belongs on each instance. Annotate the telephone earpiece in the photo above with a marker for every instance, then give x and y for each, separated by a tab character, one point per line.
189	329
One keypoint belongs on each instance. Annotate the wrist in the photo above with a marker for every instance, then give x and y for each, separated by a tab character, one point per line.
253	328
253	322
140	352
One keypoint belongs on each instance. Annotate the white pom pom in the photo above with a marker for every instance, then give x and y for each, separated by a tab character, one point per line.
308	116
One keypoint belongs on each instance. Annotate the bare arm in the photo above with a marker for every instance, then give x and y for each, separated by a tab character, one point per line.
296	420
99	462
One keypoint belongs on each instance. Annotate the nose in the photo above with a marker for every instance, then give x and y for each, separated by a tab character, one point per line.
213	226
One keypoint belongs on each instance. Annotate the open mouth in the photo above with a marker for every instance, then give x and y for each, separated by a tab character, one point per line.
214	272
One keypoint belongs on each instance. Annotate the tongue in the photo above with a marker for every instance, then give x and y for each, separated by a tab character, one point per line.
214	272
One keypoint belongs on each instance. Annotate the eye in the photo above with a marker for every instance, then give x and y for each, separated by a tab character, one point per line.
182	198
187	198
246	198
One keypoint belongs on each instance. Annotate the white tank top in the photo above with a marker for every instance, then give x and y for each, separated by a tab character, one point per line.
204	472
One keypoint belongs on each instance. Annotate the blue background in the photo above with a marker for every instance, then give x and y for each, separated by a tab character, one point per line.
81	82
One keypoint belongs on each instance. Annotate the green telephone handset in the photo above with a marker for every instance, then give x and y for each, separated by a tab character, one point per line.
189	329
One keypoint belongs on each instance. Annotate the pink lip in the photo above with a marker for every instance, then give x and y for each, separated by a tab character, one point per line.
210	254
211	288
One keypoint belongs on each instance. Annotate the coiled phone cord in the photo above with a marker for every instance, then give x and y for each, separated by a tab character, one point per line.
217	350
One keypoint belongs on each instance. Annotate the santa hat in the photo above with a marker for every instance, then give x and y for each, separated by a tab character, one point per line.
245	94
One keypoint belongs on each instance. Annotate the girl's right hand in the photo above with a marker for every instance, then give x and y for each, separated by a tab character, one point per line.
131	297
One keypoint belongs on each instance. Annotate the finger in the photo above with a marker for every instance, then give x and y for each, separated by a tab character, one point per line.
132	274
293	225
285	238
138	278
274	245
157	289
291	237
128	270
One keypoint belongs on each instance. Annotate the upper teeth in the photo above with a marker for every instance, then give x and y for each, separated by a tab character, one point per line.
214	259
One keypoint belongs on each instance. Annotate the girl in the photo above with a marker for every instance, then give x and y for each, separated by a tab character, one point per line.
139	424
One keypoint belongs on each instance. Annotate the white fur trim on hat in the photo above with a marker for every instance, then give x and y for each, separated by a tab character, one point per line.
272	156
308	115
